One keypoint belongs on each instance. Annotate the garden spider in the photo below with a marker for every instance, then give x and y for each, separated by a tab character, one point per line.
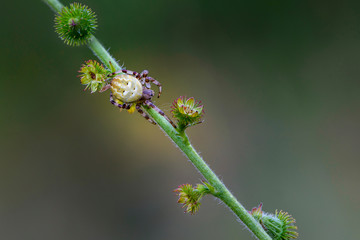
130	90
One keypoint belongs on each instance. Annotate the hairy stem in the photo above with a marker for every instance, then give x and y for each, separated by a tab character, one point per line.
182	141
55	5
102	54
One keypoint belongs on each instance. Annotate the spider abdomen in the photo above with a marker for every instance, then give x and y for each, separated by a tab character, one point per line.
126	88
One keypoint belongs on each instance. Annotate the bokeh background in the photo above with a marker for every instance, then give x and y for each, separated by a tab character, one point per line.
280	85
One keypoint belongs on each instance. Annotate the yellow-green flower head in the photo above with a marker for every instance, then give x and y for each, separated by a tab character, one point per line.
187	112
93	75
189	197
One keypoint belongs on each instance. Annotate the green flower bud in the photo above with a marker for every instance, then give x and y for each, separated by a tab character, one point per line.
187	112
75	24
279	226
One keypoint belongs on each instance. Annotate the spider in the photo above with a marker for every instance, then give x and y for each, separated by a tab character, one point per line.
131	89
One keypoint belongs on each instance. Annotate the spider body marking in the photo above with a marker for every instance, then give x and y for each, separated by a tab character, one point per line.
126	88
130	89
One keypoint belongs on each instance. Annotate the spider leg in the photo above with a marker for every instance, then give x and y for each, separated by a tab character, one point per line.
142	77
153	81
135	74
150	104
126	106
114	73
113	102
144	73
138	108
145	79
106	87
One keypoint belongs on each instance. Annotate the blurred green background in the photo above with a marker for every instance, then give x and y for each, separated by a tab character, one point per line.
280	85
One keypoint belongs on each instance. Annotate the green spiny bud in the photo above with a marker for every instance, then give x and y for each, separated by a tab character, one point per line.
279	226
75	24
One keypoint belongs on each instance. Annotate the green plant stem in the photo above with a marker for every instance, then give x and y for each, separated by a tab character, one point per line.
55	5
102	54
182	141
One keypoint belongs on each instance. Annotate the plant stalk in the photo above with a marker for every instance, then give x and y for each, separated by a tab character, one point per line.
182	141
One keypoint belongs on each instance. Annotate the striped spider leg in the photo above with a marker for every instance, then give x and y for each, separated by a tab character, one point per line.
153	106
127	106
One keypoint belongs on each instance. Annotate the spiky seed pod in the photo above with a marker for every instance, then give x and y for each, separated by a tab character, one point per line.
279	226
187	112
75	24
93	75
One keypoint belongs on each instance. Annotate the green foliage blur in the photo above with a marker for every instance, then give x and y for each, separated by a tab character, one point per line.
279	81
